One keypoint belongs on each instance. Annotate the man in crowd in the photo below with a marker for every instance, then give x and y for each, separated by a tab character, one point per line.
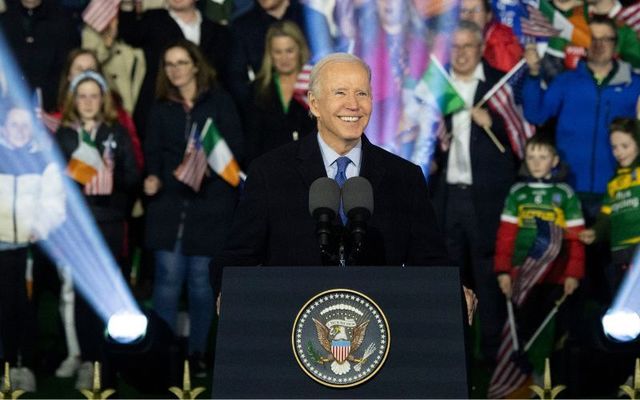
473	177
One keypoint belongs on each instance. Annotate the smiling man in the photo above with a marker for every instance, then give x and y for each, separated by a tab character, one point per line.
272	225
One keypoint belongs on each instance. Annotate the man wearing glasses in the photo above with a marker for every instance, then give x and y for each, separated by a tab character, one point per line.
585	101
472	180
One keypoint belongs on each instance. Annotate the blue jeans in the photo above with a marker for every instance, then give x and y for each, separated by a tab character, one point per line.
172	268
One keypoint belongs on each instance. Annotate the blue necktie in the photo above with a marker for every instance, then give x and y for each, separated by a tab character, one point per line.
340	178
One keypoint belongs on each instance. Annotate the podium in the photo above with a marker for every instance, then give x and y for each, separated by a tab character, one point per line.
423	307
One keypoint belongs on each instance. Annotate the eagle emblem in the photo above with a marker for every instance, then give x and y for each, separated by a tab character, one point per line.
340	338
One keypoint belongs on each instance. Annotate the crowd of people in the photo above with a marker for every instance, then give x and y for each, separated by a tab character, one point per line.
136	94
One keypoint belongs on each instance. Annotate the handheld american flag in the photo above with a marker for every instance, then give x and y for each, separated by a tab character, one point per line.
194	163
511	372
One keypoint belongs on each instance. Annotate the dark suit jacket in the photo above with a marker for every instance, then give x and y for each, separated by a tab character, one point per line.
272	225
493	172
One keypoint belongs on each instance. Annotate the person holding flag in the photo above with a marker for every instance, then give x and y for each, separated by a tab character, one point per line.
541	196
473	176
192	194
101	160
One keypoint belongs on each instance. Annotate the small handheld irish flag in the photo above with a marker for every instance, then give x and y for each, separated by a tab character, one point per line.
219	156
85	161
435	88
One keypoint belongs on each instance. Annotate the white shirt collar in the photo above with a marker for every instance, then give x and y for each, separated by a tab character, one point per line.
329	157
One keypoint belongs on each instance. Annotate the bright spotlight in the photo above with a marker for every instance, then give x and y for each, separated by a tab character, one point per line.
127	327
622	325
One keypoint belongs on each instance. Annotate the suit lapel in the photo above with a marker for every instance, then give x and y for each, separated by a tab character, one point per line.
372	167
310	163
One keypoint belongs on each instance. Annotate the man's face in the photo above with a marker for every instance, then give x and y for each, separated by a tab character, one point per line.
474	11
18	127
342	105
466	52
603	44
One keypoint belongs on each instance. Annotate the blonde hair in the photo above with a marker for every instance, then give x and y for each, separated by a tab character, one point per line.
70	116
280	29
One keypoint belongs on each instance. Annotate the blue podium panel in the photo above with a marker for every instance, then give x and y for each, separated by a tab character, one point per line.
423	306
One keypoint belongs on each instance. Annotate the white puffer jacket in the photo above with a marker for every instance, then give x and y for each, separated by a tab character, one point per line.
31	205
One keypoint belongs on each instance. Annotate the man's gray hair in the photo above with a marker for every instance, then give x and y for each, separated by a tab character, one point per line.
316	72
472	27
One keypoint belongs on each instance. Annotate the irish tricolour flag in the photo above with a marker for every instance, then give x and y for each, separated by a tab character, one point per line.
219	155
85	161
573	29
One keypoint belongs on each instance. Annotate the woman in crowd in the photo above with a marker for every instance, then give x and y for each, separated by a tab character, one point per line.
279	113
32	203
186	228
90	132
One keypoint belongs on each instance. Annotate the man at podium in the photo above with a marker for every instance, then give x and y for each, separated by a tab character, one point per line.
273	224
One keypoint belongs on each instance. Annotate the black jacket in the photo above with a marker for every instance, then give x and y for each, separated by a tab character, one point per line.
40	39
272	225
493	172
206	215
268	126
153	31
126	178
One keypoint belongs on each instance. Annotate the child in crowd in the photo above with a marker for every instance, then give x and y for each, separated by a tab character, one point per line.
91	136
619	218
540	196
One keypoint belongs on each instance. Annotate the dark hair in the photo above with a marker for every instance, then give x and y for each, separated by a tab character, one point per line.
626	125
605	20
205	76
542	141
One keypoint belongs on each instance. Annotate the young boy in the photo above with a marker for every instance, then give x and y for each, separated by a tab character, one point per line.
541	196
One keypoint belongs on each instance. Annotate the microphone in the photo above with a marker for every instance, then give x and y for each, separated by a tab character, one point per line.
357	200
324	202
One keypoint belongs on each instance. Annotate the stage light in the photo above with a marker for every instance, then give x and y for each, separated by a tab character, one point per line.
127	327
621	325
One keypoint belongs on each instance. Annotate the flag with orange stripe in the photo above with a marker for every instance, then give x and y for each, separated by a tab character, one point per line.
219	155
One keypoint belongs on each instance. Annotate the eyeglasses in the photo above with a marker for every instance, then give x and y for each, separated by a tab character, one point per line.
472	10
606	39
464	47
178	64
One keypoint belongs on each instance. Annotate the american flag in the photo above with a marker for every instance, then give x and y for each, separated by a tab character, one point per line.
630	16
510	373
537	25
50	121
99	13
194	164
301	87
102	182
501	99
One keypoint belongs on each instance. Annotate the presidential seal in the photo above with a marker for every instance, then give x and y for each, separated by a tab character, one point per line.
340	338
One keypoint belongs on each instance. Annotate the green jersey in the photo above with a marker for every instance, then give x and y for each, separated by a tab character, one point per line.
622	204
548	201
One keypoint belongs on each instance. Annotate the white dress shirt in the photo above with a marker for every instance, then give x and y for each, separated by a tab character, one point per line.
190	31
459	161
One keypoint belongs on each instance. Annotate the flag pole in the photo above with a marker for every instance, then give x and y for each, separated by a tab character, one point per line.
501	82
512	325
494	139
544	323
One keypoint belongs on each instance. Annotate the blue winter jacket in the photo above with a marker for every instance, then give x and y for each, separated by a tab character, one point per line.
584	111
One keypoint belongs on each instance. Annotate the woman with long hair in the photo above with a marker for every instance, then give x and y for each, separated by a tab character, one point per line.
187	226
279	113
